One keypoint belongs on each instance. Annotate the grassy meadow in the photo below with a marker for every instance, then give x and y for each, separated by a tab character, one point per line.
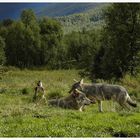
19	117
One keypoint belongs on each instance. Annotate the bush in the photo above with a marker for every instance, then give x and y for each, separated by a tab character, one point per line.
25	91
2	90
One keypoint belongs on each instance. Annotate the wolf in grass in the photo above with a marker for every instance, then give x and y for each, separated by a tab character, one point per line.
100	92
76	100
39	92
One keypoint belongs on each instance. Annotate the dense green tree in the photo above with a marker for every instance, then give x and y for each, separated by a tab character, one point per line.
2	52
23	42
120	42
7	22
82	47
28	17
33	41
4	26
51	36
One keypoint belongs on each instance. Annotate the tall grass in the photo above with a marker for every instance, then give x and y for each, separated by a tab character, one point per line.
20	117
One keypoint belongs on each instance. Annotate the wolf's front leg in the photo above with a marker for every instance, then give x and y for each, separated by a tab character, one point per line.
81	108
100	106
35	94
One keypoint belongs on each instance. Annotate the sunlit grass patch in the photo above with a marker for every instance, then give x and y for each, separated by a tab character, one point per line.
21	117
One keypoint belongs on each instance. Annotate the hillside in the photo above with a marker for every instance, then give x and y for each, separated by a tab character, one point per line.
13	10
89	19
64	9
73	16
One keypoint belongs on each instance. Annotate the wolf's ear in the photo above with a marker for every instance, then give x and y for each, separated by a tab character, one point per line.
81	81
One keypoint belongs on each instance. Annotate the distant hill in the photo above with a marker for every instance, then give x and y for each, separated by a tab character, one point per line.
64	9
73	16
86	20
13	10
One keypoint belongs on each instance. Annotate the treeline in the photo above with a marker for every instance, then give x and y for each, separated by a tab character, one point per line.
29	42
107	52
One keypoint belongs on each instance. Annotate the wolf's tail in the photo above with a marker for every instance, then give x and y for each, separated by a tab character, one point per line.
130	102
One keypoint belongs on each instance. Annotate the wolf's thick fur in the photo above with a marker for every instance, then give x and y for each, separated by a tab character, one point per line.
77	100
100	92
39	92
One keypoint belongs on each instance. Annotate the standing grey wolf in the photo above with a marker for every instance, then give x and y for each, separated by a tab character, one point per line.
77	100
39	91
100	91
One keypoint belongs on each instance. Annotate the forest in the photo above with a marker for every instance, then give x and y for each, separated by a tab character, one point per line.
108	52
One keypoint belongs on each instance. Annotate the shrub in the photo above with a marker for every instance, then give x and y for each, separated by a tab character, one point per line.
25	91
2	90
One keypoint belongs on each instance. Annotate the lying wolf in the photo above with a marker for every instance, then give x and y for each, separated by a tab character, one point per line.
76	100
99	92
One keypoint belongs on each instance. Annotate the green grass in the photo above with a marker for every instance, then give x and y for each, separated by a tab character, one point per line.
19	117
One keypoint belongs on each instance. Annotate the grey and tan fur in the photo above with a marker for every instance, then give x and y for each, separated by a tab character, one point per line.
77	100
100	91
39	89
